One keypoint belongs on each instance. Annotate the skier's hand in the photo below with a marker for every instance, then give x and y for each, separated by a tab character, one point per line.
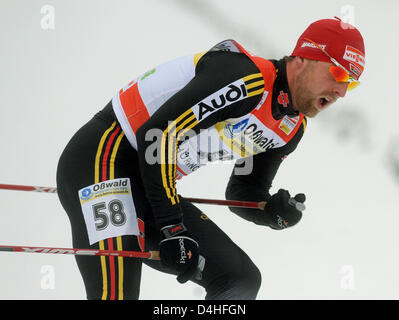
179	251
280	213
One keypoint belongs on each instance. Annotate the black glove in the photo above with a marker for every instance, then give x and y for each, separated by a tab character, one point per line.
280	213
179	251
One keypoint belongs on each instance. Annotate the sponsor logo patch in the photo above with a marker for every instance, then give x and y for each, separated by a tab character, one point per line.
238	90
312	45
232	130
355	70
354	56
224	97
256	136
102	189
283	99
288	124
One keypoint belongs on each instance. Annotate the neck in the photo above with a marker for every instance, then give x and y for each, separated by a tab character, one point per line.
290	69
291	72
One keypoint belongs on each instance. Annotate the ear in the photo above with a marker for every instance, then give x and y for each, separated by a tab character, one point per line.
294	67
300	62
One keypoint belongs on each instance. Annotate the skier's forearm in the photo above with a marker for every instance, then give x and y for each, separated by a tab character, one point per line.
244	192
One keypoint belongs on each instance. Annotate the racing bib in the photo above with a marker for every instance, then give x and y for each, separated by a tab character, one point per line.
108	209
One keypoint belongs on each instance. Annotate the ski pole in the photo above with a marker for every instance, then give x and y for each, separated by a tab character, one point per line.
244	204
152	255
28	188
231	203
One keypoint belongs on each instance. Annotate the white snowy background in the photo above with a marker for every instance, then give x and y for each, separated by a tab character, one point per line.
54	78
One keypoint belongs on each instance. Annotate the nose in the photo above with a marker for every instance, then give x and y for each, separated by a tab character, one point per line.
341	89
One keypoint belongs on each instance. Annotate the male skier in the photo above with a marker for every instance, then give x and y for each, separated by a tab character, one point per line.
116	178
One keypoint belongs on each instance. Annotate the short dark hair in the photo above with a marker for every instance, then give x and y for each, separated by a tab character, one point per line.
288	58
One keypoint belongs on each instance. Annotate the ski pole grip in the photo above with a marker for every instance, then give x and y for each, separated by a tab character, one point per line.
298	205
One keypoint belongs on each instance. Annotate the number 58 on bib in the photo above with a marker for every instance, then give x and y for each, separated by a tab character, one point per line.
108	209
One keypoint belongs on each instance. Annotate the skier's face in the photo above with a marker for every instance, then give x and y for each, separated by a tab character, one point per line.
314	89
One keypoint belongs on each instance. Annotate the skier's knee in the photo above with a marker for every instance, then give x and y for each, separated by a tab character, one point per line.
237	286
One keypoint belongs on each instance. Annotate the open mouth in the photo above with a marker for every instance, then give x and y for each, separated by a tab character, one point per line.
323	102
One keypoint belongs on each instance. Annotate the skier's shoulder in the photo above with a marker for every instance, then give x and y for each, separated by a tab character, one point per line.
226	63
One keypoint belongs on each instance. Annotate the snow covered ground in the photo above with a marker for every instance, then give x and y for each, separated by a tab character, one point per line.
54	80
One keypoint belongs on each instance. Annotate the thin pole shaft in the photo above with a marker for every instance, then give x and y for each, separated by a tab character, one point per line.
152	255
231	203
244	204
28	188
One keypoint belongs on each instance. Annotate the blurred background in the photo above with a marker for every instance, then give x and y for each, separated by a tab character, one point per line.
62	61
